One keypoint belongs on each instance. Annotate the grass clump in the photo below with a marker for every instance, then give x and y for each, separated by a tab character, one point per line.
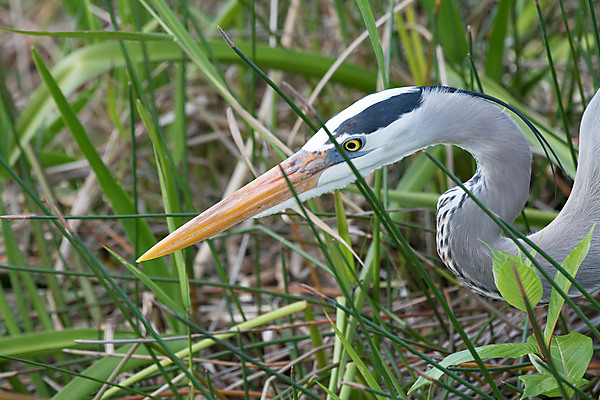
114	130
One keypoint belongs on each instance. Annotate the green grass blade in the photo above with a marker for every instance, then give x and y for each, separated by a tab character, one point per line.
169	196
450	29
571	265
93	35
356	359
119	199
367	16
495	54
37	344
158	292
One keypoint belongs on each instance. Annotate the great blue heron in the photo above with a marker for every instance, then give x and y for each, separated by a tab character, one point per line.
385	127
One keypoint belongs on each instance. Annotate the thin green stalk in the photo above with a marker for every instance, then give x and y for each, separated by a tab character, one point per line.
377	252
574	53
346	391
295	352
367	15
561	110
596	34
316	339
226	284
170	199
411	43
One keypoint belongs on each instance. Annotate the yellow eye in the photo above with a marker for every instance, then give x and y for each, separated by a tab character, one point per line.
353	144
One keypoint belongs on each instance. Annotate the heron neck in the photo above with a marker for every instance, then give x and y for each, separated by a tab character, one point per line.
501	184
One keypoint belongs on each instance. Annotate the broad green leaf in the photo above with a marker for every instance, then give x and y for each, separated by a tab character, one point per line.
509	276
557	393
574	352
537	384
571	355
501	350
493	60
500	257
546	385
571	265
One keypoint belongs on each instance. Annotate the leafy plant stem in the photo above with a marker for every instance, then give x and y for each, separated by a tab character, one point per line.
532	321
516	237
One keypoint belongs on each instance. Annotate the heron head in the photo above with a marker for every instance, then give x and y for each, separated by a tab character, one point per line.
372	132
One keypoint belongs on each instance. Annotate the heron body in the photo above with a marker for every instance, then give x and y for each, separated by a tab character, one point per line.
385	127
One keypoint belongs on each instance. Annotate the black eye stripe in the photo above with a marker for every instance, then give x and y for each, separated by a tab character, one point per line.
381	114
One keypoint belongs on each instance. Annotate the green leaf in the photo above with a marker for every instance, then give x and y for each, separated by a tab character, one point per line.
574	352
450	29
537	384
501	350
546	385
93	35
49	158
493	60
509	276
499	259
571	355
369	20
571	265
557	393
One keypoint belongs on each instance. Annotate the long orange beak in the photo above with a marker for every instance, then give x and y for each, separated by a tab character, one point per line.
302	169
